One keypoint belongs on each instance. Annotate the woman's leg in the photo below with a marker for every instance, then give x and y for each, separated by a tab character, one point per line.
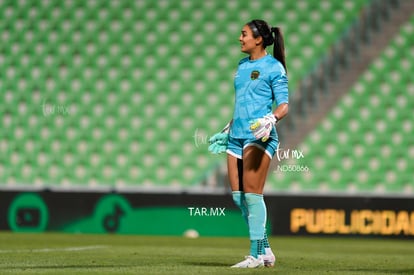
235	174
233	164
255	168
256	160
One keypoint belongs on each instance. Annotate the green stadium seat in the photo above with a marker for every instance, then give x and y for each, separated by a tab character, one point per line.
365	143
116	64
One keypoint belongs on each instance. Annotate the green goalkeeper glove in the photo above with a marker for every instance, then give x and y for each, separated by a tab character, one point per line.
262	127
219	141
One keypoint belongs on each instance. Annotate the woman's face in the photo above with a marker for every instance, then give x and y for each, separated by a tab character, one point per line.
247	41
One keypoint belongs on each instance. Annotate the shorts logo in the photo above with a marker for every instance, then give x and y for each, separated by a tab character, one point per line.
254	75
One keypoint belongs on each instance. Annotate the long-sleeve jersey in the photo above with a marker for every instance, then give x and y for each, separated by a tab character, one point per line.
258	85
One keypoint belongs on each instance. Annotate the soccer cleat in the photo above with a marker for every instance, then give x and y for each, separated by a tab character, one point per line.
269	260
250	262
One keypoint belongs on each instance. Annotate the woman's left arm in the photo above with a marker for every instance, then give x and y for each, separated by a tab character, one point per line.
280	93
281	111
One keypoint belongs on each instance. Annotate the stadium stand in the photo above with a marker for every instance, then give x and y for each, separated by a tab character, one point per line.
124	94
365	144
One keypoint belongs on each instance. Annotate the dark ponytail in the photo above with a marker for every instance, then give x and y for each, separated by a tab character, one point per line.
270	36
279	46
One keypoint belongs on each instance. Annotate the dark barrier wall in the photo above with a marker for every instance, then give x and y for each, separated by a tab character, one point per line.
209	215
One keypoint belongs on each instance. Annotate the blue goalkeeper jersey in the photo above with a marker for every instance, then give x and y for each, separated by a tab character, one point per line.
258	84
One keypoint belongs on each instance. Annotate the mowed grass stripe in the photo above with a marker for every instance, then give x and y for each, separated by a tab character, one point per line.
131	254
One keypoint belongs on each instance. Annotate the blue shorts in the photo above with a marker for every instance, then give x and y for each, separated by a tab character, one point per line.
236	146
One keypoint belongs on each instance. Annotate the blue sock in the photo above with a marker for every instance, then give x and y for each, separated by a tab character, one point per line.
256	248
257	221
240	200
266	241
266	245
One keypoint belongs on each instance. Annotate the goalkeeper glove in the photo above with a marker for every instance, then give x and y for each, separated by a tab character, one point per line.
219	141
262	127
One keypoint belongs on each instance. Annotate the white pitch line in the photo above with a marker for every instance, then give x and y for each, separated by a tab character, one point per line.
43	250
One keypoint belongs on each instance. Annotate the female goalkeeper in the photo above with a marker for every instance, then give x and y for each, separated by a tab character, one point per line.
250	139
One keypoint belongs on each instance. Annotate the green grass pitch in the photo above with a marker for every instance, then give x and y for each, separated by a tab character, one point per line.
54	253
